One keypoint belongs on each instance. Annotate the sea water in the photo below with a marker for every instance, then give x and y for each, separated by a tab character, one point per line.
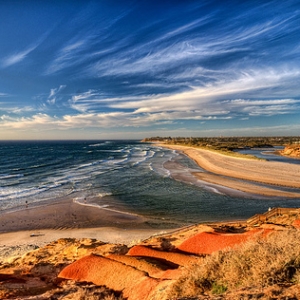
128	176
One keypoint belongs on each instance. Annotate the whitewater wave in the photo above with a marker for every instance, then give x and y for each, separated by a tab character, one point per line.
104	206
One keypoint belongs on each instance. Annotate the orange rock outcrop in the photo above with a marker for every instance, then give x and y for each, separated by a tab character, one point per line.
150	270
111	273
209	242
291	150
145	272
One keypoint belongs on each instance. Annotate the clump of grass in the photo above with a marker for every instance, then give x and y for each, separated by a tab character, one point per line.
79	291
260	263
218	288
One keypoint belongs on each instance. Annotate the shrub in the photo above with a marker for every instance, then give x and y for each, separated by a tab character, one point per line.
258	263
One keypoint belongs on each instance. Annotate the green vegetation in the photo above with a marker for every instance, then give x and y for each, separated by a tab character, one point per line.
218	289
227	145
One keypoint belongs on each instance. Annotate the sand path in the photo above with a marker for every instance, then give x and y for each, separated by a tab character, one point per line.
225	170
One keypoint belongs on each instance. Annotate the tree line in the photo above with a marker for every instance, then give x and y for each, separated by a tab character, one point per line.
228	143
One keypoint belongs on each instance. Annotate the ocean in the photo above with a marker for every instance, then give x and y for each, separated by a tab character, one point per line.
128	176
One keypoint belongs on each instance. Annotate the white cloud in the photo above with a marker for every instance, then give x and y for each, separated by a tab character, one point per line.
53	94
69	55
94	110
161	53
262	107
11	109
84	96
19	56
209	99
15	58
25	123
36	128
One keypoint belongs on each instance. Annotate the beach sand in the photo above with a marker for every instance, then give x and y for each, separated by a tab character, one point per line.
67	214
39	225
244	174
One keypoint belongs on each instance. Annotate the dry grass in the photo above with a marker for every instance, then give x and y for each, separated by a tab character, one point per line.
260	263
77	291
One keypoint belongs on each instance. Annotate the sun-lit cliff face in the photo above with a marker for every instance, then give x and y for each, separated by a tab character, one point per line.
195	262
291	150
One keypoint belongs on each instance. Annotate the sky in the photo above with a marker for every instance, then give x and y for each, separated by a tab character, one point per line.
117	69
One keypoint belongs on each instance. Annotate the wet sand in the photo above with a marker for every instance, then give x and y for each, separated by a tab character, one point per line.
66	218
243	173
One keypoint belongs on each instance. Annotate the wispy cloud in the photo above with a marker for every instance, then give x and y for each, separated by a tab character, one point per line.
19	56
191	63
19	110
69	55
81	48
188	56
53	94
16	57
262	107
210	98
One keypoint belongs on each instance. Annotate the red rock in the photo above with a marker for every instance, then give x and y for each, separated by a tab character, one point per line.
296	223
141	290
138	263
176	258
134	284
209	242
142	265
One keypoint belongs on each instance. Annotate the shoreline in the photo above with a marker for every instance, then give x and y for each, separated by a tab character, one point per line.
40	225
67	218
67	214
244	174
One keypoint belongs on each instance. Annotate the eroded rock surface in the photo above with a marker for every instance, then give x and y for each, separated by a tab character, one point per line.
87	268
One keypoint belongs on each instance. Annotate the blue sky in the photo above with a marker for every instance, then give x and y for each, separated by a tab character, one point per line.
111	69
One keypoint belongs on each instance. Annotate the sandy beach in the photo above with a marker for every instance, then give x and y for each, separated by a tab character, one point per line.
67	214
39	225
245	174
27	229
65	218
